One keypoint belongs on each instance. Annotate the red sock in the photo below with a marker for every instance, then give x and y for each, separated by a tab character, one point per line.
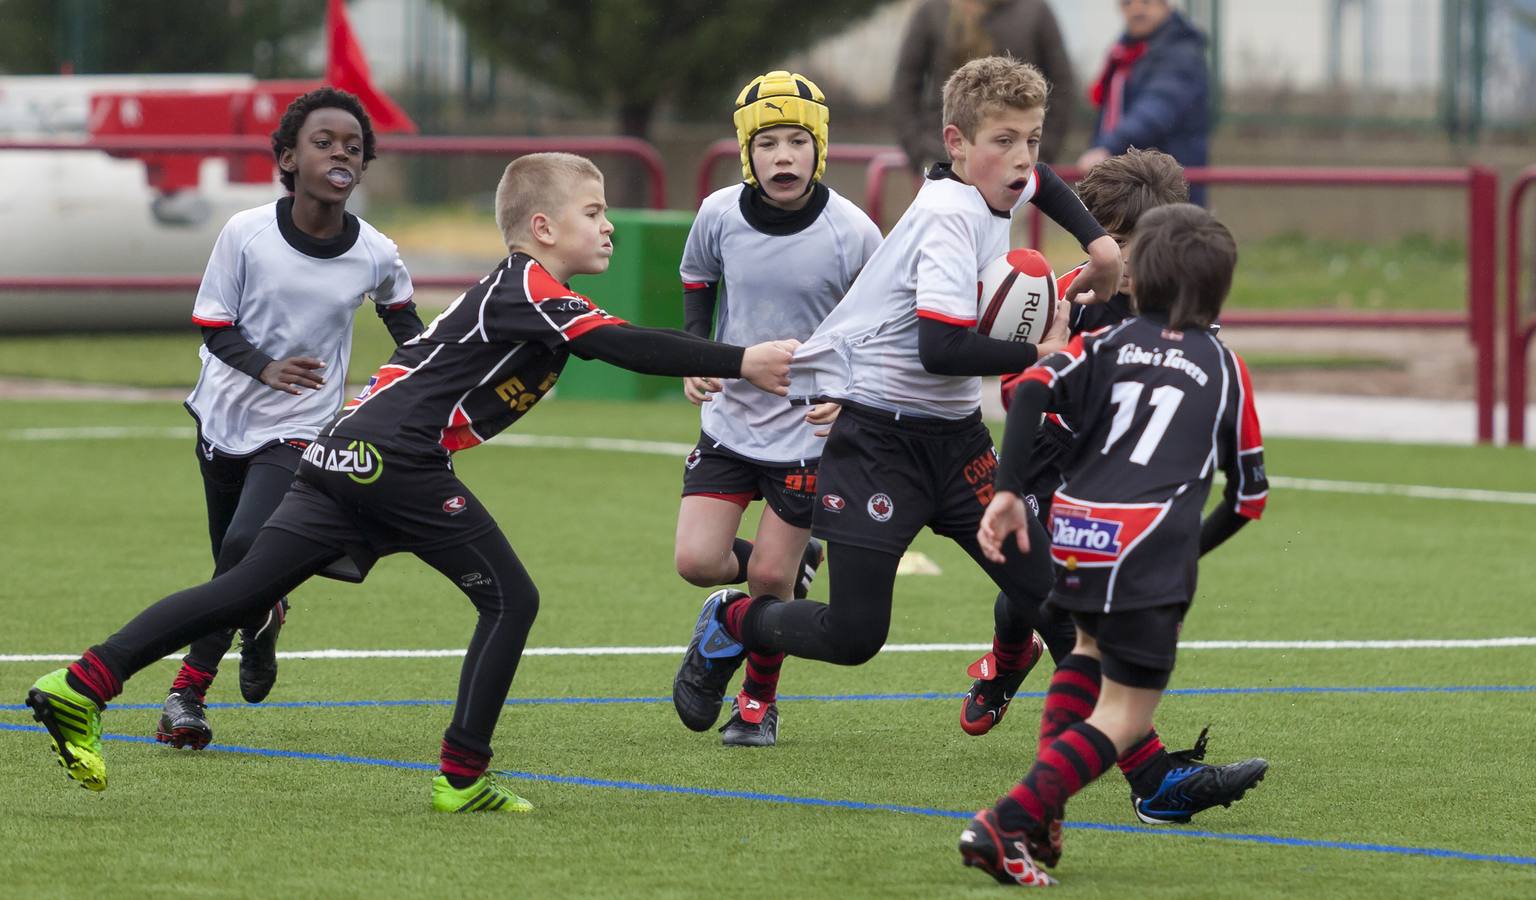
735	615
1012	657
1140	752
462	766
90	676
1070	699
192	677
1145	764
762	678
1080	755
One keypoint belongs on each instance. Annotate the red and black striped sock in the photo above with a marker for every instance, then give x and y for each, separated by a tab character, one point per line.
1080	755
193	677
762	678
1145	764
1012	657
91	677
462	766
1070	699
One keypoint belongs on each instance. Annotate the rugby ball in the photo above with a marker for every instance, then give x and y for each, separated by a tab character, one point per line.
1016	297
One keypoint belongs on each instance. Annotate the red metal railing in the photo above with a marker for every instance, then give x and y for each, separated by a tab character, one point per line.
214	145
1481	185
1517	333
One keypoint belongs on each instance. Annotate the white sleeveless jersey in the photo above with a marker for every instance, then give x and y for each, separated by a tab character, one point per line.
927	267
286	302
771	286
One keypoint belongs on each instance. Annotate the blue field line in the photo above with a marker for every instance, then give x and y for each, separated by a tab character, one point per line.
857	805
863	698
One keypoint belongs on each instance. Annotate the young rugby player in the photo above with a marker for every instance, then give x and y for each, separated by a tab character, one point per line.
276	307
1159	403
380	479
766	259
900	355
1165	787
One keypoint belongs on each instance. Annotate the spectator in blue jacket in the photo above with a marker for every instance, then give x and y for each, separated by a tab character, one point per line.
1154	90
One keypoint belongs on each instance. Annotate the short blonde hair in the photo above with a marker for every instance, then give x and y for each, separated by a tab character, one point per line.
537	183
988	85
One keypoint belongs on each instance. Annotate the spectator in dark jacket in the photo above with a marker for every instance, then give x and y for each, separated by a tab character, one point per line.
944	35
1154	91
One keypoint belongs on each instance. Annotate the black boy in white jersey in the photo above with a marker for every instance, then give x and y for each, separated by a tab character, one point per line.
276	307
380	480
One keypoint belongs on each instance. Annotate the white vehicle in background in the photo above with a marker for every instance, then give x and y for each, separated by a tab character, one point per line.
85	213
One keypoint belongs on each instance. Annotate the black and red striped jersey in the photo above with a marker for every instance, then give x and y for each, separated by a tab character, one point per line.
1158	411
1085	317
479	367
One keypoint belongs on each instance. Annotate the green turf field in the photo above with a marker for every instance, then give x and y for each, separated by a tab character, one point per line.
317	793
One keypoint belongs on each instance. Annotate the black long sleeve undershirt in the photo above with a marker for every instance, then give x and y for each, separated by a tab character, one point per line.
699	310
1057	200
946	349
403	323
659	351
1222	523
230	347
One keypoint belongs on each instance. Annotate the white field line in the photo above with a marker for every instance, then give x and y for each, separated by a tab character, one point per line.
665	448
1410	644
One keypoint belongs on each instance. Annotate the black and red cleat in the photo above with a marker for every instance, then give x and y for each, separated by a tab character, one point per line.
987	700
184	720
1004	855
258	654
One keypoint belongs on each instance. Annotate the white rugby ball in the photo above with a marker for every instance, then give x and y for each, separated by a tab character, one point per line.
1016	297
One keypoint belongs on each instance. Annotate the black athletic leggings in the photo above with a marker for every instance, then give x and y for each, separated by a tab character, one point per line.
484	568
852	627
241	495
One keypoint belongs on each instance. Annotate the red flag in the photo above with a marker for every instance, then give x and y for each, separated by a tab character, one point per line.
347	68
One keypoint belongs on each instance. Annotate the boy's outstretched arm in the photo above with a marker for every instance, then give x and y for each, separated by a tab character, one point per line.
658	351
1101	278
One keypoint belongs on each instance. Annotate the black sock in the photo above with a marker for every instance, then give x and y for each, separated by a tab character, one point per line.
742	550
460	782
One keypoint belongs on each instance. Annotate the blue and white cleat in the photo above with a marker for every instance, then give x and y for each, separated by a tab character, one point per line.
712	657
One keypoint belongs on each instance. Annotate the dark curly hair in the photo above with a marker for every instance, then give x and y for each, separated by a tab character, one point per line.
286	137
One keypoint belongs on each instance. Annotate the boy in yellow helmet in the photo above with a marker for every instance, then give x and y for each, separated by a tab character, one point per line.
771	256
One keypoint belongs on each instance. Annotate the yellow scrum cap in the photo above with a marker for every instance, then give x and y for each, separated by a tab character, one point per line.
780	98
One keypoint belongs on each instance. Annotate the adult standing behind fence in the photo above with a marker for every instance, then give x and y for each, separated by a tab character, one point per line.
1154	90
944	35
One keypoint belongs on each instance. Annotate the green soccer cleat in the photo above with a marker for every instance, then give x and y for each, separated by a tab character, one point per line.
485	795
73	721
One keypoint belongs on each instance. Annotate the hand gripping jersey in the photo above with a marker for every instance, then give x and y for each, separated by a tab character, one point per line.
290	295
479	367
928	266
772	286
1157	412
